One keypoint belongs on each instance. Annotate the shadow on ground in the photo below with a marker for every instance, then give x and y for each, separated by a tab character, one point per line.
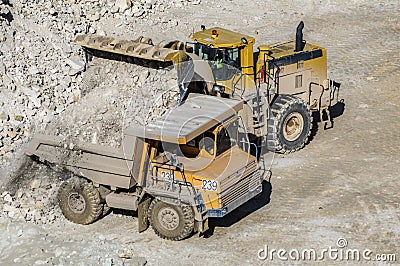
241	212
335	111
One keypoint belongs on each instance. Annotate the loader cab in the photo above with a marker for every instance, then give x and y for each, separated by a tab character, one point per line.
225	63
230	55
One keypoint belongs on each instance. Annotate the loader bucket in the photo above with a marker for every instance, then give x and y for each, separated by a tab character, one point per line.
140	47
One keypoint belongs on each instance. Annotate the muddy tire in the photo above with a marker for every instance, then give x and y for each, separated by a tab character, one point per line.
289	125
171	221
79	201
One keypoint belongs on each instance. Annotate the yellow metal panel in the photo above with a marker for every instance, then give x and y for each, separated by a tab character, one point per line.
223	39
247	59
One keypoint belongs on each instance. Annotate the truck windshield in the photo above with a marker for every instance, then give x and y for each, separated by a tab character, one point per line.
224	62
227	137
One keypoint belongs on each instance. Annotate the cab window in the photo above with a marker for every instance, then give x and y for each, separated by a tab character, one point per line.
224	62
223	141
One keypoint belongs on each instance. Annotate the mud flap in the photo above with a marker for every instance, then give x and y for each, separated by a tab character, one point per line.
334	88
201	226
143	221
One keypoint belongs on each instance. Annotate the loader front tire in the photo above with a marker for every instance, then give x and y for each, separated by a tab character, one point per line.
171	221
289	125
79	201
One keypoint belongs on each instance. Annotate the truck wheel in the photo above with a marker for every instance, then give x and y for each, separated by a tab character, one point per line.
171	221
289	125
79	201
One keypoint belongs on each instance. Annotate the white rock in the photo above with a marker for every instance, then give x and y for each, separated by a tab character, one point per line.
35	184
20	193
139	13
53	11
147	6
58	252
123	5
4	117
8	198
33	96
30	92
11	211
3	68
108	262
114	9
95	17
75	62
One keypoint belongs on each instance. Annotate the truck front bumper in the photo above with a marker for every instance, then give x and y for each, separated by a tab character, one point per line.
236	203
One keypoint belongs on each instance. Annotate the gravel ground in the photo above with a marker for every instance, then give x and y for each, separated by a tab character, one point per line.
342	185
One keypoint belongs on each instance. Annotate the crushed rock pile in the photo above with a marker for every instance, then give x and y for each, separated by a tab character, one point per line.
43	74
48	86
126	95
35	205
33	200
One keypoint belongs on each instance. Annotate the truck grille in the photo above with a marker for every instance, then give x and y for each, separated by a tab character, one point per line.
238	184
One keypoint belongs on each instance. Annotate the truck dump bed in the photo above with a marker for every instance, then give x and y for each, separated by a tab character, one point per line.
110	165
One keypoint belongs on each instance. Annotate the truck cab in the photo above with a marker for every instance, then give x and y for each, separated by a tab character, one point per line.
216	163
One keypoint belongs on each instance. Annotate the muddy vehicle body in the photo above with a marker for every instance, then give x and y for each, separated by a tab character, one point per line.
176	172
281	84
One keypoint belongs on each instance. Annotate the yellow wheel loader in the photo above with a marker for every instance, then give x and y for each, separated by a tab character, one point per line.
281	84
192	164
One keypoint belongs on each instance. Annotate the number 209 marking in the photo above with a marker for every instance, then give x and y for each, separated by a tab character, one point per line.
209	185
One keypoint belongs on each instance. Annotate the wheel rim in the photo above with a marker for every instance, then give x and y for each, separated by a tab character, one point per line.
76	202
168	218
293	126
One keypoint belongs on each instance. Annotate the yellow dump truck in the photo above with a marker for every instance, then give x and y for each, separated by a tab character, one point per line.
192	164
281	84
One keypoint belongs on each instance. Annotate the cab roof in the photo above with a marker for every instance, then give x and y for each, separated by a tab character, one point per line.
222	39
194	117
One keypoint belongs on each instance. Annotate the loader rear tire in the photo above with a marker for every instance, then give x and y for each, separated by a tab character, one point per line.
171	221
79	201
289	125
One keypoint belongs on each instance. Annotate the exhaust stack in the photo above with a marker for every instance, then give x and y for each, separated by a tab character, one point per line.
300	43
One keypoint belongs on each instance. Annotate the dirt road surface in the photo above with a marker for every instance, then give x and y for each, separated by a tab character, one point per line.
343	185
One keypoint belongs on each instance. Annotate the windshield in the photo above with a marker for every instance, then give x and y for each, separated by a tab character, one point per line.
227	137
224	62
